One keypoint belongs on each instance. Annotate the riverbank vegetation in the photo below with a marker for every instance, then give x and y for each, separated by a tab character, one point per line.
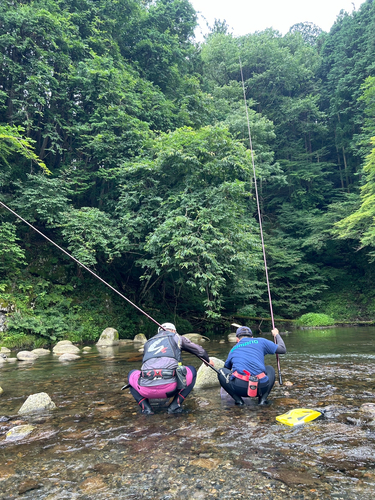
125	141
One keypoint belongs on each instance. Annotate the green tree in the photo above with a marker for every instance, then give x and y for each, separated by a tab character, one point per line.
186	209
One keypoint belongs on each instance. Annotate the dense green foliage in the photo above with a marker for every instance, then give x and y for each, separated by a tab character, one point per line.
126	142
315	319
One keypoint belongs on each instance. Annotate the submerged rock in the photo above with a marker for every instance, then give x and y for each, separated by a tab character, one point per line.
65	346
108	337
26	356
368	408
41	352
206	377
68	357
196	337
28	485
37	402
92	485
19	432
141	337
6	471
106	468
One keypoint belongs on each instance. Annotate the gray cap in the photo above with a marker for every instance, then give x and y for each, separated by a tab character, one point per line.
244	331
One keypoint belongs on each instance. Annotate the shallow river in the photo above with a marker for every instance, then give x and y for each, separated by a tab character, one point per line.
96	445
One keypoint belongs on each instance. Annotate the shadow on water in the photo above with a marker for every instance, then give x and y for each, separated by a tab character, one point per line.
97	445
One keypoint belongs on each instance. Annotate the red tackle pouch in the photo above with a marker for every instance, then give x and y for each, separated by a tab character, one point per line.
252	388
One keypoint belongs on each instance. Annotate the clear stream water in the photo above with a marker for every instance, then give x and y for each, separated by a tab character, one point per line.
96	445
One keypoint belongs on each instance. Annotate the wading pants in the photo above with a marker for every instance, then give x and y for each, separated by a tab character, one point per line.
161	391
238	387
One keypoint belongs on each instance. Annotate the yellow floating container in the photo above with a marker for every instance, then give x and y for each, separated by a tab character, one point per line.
298	416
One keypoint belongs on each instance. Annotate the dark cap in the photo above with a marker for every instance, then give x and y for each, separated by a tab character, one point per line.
244	331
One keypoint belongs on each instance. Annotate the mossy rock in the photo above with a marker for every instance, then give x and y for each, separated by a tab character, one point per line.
108	337
140	338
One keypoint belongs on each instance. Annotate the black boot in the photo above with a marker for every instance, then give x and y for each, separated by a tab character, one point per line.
146	408
175	406
238	400
263	401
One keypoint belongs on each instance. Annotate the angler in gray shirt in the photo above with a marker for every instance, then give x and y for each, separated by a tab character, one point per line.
162	374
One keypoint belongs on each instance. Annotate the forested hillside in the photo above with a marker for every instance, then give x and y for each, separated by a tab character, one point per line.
125	141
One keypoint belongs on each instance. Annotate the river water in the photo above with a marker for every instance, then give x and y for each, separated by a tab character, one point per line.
96	445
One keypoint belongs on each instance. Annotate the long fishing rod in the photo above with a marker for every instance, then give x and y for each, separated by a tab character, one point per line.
260	218
91	272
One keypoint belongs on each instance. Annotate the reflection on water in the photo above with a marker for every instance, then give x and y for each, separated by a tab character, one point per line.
97	445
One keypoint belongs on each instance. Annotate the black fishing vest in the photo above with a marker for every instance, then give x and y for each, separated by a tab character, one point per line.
162	345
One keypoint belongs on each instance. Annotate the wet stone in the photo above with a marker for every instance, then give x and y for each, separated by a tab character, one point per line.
68	357
206	377
37	402
65	346
288	401
19	432
109	337
106	468
91	485
28	485
26	356
141	338
292	477
41	352
209	463
6	472
368	408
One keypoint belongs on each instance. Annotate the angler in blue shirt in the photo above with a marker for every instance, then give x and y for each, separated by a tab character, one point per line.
244	373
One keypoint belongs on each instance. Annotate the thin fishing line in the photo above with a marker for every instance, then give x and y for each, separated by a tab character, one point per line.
257	198
82	265
259	214
94	274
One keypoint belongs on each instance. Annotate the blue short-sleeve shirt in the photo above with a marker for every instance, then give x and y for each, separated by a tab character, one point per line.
249	354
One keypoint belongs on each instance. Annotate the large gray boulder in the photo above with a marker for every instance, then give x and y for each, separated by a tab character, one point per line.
5	350
108	337
65	346
26	356
232	337
2	360
41	352
36	403
206	377
141	338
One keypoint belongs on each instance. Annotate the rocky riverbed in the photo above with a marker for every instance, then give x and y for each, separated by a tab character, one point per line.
95	444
